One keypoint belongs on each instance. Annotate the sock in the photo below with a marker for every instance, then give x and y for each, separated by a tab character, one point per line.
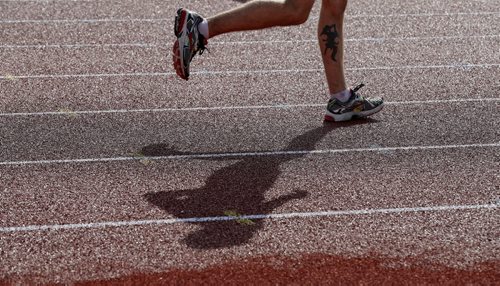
343	96
203	28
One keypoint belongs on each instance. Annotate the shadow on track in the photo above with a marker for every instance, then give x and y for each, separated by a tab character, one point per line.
238	189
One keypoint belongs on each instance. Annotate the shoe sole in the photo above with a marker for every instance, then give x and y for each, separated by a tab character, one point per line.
331	117
180	18
177	52
176	61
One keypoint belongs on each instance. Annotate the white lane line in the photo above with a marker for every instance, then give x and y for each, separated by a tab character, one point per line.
242	107
39	1
80	46
362	212
63	76
243	72
249	154
371	39
104	20
146	45
352	16
445	14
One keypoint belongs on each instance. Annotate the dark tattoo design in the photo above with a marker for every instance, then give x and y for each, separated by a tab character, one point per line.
332	39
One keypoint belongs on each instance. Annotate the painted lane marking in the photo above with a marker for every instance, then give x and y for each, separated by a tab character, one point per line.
248	154
363	212
245	72
146	45
80	46
371	39
103	20
243	107
478	13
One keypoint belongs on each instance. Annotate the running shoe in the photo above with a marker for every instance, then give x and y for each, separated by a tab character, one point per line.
189	41
356	107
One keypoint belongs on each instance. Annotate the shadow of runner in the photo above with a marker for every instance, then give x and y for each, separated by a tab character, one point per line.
235	189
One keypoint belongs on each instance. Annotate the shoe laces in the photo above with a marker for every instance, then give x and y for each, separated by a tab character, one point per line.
200	48
333	102
358	87
357	97
202	45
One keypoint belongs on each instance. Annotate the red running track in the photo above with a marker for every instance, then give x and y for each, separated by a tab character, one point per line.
115	172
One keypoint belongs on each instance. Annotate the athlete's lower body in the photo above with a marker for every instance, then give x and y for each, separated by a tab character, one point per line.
193	31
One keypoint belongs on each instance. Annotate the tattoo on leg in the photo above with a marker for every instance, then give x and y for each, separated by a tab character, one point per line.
332	39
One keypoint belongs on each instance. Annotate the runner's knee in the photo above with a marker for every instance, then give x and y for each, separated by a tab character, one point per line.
299	10
335	7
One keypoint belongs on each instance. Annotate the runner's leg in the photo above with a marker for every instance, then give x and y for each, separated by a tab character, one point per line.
192	30
331	43
344	103
260	14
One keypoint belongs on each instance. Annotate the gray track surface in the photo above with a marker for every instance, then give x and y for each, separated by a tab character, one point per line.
90	86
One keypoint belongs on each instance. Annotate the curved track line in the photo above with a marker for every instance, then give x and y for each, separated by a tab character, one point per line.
248	107
95	225
248	154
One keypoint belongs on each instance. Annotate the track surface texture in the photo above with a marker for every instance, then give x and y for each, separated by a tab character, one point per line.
115	172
